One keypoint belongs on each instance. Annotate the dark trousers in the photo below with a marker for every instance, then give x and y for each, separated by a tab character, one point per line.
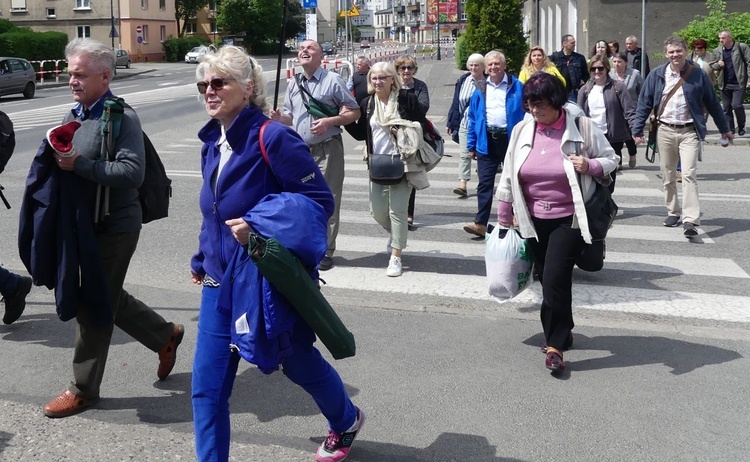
487	166
618	150
412	197
731	101
555	254
632	149
130	314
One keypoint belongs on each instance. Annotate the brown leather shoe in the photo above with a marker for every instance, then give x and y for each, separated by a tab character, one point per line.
67	404
168	353
476	229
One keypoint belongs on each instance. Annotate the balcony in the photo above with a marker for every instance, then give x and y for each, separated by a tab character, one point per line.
413	23
413	7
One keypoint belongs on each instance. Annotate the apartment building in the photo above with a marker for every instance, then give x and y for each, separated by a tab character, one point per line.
140	25
421	21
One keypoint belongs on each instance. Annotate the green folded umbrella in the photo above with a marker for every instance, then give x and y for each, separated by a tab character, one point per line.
282	269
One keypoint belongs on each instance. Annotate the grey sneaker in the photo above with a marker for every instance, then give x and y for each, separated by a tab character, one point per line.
671	221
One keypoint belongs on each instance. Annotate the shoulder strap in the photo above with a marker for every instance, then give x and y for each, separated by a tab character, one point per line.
263	144
674	89
322	106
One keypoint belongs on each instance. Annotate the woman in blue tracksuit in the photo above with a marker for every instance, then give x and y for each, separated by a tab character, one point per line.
236	177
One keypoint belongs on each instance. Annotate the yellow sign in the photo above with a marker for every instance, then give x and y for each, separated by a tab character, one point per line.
351	13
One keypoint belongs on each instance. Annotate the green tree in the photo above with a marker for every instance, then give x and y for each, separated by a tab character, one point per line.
185	9
259	20
496	24
708	27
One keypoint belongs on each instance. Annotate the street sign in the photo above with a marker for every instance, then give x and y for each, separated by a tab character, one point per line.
309	3
139	39
138	30
351	13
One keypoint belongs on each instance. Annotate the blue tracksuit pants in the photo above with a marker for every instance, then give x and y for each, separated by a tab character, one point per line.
215	367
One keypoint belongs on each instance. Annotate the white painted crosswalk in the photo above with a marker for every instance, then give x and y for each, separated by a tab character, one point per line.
442	260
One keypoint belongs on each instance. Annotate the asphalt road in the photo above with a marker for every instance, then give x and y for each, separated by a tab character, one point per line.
658	373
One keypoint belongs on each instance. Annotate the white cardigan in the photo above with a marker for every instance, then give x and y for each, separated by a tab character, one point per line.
595	146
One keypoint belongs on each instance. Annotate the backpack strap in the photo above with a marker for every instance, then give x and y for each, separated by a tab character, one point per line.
262	143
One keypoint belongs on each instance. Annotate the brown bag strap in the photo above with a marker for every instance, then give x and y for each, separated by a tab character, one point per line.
674	90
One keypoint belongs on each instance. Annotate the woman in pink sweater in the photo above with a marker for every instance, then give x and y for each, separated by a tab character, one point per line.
546	183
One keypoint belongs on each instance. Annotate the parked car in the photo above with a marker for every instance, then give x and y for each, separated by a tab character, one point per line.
328	48
17	76
123	59
195	55
364	44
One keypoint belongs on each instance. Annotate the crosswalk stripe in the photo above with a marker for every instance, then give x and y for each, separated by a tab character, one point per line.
697	266
728	308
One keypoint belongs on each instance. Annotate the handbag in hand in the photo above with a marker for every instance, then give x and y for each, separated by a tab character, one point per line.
386	169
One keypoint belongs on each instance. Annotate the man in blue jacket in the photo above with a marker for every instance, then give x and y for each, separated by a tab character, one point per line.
495	108
681	128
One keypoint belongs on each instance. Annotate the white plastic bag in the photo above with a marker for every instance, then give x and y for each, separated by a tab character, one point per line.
508	260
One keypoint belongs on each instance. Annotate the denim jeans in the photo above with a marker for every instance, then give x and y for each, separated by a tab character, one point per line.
215	367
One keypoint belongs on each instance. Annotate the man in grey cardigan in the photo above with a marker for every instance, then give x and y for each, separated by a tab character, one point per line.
91	66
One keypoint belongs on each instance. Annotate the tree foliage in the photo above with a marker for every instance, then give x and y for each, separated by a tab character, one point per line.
186	9
708	27
496	24
259	20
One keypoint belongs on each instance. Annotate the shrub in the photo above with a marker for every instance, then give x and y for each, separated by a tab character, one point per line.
175	48
462	53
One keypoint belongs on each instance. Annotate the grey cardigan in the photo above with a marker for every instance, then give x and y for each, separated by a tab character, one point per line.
620	108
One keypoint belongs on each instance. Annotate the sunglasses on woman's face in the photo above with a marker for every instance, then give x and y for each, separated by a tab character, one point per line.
597	69
406	68
215	84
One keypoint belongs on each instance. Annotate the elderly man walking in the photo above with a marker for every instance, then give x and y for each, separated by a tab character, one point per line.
732	60
677	93
494	109
317	104
637	59
114	238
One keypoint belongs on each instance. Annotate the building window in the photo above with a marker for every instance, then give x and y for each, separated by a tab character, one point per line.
464	17
163	33
51	13
212	5
162	4
83	5
18	5
191	28
144	5
145	34
83	31
214	30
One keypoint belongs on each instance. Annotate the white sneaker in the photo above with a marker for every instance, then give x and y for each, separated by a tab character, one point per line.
394	267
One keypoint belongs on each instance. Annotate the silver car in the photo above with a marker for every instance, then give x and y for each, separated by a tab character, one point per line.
123	59
17	76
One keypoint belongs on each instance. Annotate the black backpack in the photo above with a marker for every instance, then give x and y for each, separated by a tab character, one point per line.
7	140
156	189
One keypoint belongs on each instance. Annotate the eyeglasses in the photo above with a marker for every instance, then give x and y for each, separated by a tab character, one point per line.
597	69
379	78
406	68
215	84
538	105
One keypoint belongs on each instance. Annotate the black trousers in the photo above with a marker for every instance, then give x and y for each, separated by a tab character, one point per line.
555	254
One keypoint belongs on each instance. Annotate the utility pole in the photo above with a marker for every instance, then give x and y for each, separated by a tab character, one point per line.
438	29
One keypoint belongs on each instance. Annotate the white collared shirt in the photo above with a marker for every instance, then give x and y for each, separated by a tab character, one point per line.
495	103
676	110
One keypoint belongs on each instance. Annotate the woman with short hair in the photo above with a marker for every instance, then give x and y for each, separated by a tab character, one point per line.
458	120
545	183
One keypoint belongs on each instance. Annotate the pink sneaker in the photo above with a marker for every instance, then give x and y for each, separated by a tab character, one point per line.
336	447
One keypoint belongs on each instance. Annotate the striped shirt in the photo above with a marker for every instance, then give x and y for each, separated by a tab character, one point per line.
677	110
464	96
